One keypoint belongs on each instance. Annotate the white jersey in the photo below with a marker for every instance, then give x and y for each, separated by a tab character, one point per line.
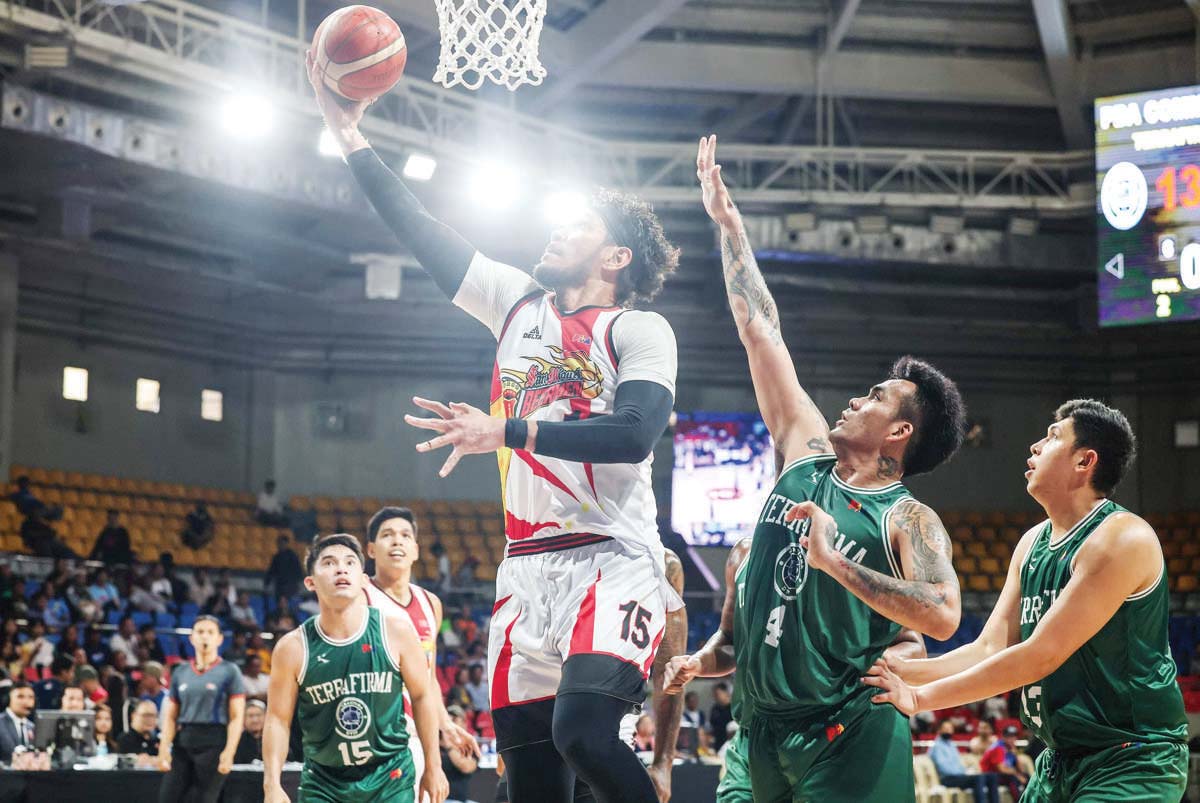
555	366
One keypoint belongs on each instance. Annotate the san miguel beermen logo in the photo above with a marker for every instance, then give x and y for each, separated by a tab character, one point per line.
352	718
791	570
569	375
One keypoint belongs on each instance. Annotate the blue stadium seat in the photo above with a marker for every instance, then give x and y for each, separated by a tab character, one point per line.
142	618
188	618
164	620
31	587
258	605
53	638
170	643
114	617
190	609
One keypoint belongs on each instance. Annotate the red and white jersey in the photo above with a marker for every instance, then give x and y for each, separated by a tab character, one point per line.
555	366
419	611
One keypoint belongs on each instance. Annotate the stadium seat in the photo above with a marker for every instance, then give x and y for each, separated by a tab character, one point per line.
1188	583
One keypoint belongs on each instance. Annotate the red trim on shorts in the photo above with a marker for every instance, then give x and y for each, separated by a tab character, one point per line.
499	684
554	543
500	604
582	634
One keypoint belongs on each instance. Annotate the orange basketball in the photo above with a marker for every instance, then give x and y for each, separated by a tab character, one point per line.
360	51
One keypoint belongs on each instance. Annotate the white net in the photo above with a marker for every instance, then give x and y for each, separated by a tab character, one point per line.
490	39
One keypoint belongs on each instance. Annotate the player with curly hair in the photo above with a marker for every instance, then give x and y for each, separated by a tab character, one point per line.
582	389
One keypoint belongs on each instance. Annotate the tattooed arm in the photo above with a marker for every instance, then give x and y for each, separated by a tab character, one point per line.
926	599
797	426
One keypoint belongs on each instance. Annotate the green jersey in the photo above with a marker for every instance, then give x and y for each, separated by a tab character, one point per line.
350	704
1118	687
802	641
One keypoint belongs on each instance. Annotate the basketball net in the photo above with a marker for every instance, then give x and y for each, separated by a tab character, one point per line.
490	39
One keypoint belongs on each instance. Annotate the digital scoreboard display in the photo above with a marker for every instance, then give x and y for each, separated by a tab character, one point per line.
1148	206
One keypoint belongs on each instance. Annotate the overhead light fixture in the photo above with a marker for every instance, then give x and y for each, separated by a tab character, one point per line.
871	224
1023	226
564	206
800	221
495	185
47	57
327	145
247	116
946	224
419	167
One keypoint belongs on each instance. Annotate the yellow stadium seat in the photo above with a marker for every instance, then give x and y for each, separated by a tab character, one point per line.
973	517
951	518
968	564
73	479
1178	566
1188	583
998	582
1172	549
989	566
56	477
977	548
978	582
986	534
1190	549
15	471
1000	550
963	533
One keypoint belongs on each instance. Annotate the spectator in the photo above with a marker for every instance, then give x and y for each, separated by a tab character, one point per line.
253	679
1001	758
477	689
953	773
458	765
202	588
89	680
643	735
257	647
104	591
225	581
17	605
249	747
284	574
112	544
142	736
126	640
80	598
466	572
149	687
160	584
199	529
984	738
59	577
236	651
56	613
49	692
105	743
28	504
38	652
720	715
443	566
692	715
141	598
995	708
148	636
457	694
281	618
41	539
16	728
218	604
270	510
114	684
68	642
93	645
73	698
242	614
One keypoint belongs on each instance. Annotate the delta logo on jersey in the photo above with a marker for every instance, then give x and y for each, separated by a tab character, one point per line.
567	375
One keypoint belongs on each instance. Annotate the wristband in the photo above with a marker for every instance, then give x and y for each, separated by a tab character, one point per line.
516	432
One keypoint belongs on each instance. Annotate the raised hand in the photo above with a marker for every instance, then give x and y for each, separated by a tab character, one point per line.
717	203
468	429
341	116
679	672
895	690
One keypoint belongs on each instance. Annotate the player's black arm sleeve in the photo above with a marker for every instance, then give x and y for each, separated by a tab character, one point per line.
442	251
640	413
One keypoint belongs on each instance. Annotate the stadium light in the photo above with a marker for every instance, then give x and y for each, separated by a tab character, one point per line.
495	185
327	145
564	206
419	167
247	116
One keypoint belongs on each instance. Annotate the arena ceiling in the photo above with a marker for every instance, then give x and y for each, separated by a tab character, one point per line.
912	75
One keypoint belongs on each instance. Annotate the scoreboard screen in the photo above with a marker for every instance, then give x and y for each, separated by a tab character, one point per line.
1148	206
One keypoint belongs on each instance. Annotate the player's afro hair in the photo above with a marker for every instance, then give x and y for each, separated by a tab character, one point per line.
633	224
937	413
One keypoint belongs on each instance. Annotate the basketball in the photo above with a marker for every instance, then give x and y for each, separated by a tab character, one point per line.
360	51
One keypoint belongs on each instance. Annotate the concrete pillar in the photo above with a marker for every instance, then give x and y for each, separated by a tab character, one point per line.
8	356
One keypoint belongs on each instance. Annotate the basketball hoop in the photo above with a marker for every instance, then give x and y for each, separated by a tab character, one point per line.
490	39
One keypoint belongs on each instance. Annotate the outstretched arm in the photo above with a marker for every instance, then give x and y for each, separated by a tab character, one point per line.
667	707
926	599
795	423
1120	559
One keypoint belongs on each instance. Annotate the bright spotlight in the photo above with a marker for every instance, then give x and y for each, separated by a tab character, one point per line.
495	185
419	167
564	206
247	116
327	145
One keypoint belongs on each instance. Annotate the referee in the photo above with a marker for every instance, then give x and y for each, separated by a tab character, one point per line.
205	705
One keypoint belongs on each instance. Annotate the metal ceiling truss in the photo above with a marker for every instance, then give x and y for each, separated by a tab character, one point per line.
197	49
